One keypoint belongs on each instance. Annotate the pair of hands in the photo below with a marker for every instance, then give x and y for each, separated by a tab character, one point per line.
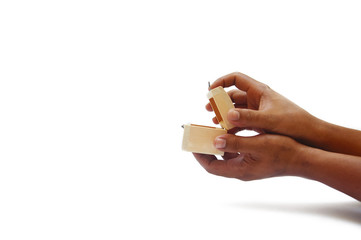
282	125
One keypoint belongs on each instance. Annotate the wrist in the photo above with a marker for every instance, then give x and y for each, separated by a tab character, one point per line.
316	132
301	161
334	138
339	171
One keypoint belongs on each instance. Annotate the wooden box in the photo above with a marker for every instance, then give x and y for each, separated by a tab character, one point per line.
221	103
200	139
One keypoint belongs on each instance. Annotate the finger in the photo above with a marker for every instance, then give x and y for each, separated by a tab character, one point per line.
209	107
215	120
240	80
248	118
212	165
234	144
238	97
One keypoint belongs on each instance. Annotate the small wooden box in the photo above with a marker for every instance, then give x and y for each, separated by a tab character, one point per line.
221	103
200	139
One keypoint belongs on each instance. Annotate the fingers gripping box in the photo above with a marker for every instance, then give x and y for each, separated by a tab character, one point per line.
198	138
221	103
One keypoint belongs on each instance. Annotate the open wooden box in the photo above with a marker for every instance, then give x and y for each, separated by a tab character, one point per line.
200	139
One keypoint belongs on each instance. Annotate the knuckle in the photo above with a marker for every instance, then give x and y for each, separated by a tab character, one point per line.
212	168
238	144
268	140
246	177
232	144
237	75
209	169
264	88
232	92
271	120
249	116
265	141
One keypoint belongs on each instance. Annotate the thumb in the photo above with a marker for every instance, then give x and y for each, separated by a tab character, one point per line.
247	118
236	144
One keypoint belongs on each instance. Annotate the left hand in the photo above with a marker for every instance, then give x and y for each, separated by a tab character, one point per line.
251	158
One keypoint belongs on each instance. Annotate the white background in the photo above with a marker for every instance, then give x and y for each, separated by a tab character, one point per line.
93	94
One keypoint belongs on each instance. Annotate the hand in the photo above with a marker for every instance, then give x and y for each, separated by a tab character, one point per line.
269	155
259	107
266	155
251	158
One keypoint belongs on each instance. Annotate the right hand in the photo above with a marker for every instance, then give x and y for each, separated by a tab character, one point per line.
259	107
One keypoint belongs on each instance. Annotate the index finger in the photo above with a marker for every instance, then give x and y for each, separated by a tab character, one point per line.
240	80
239	98
212	165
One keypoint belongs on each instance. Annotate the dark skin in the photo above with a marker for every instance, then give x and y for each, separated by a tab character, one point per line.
292	141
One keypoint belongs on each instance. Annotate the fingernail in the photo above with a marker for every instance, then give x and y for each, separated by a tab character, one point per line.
234	115
220	143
